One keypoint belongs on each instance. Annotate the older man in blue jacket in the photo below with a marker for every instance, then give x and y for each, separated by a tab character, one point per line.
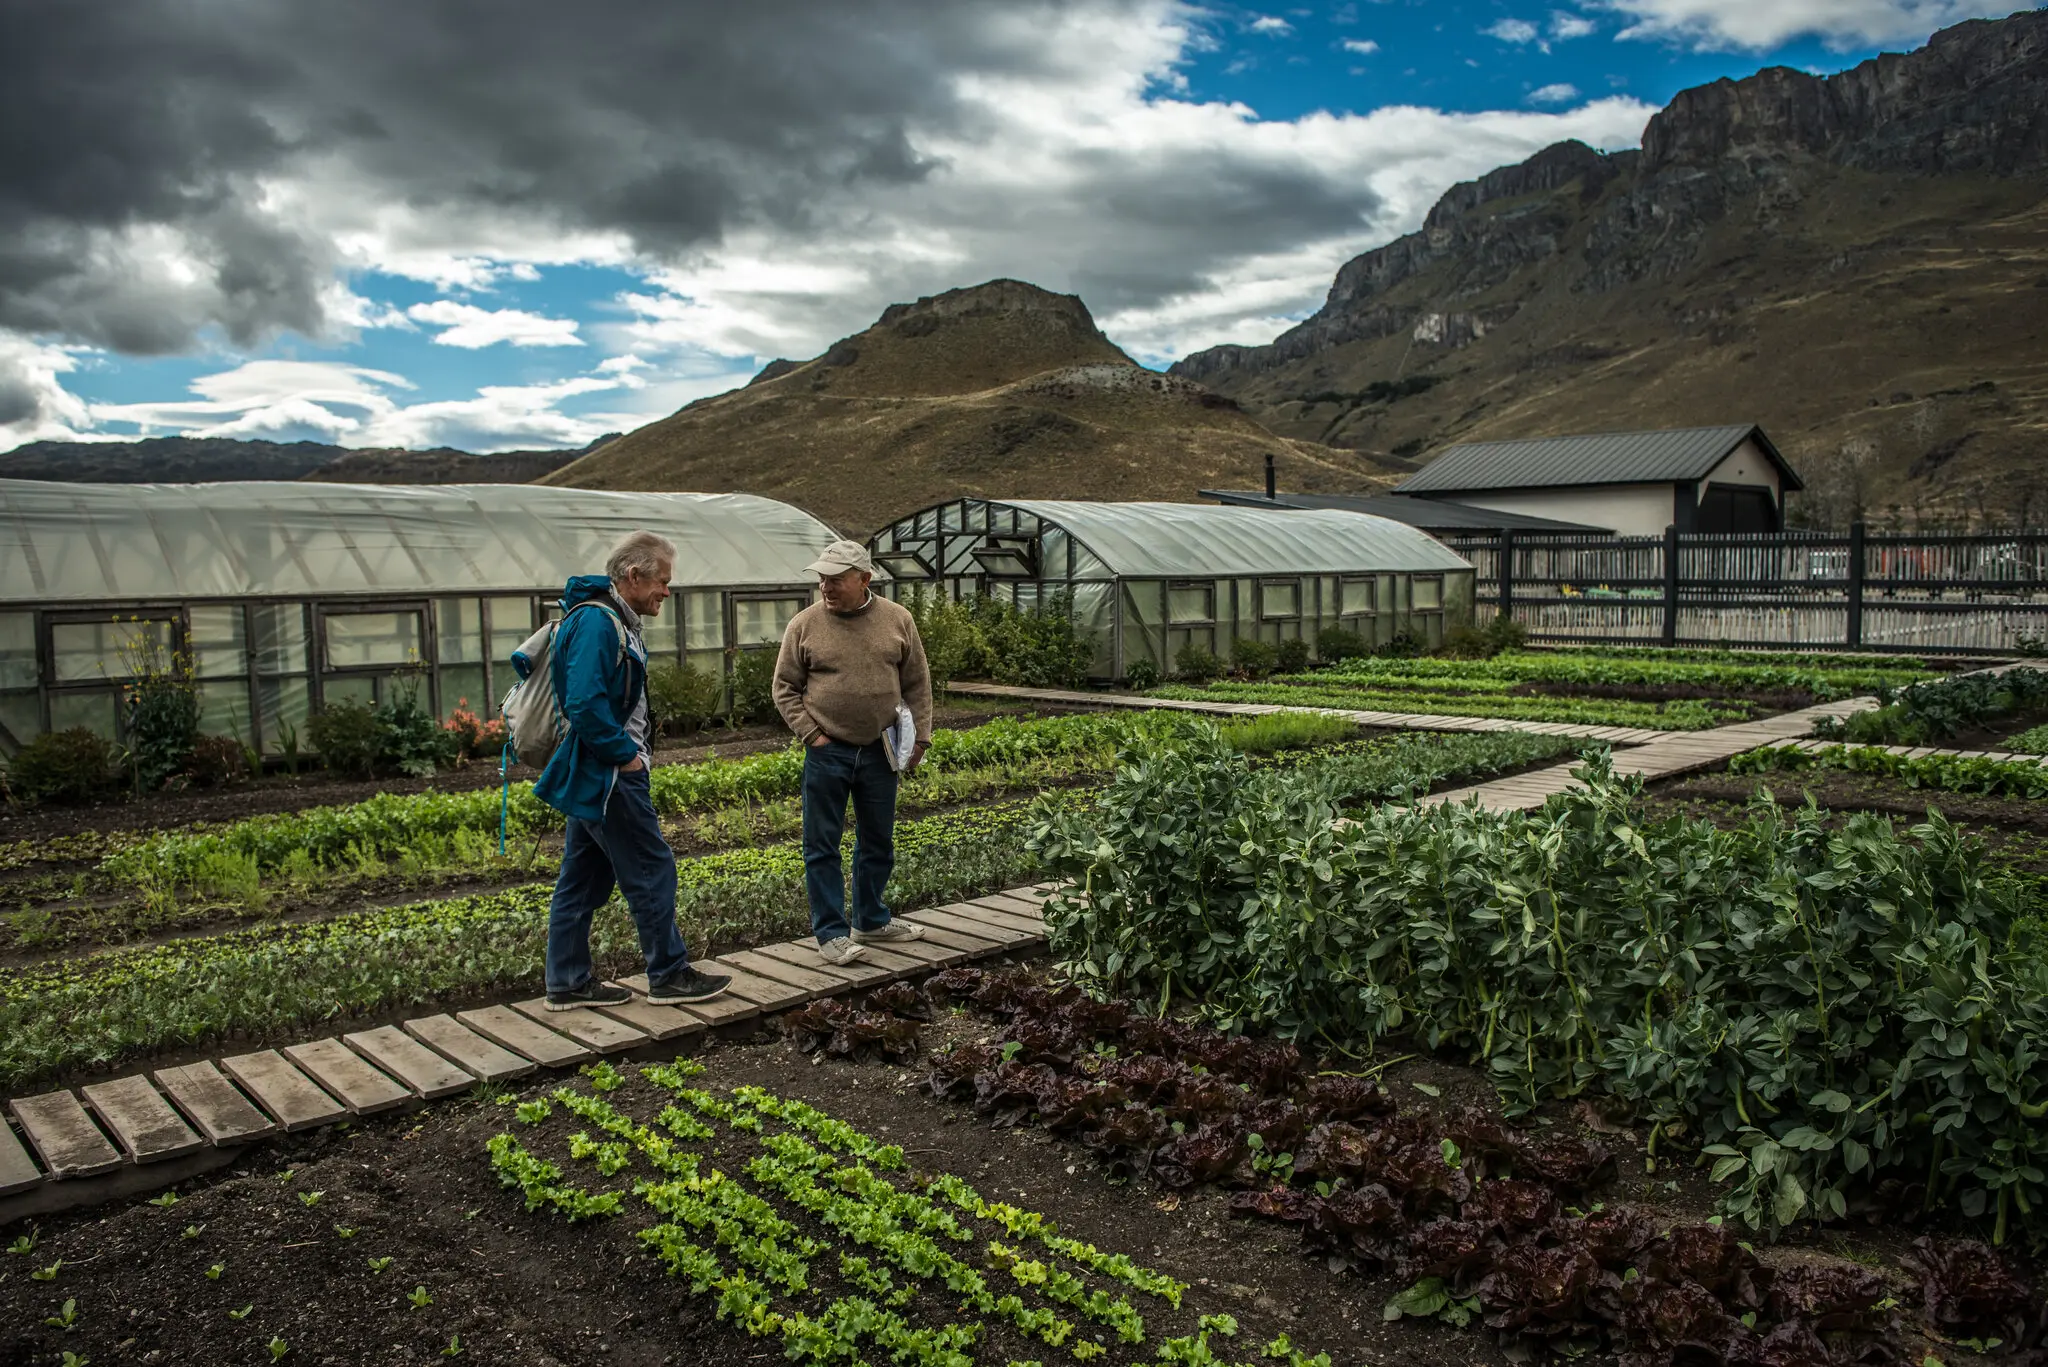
599	779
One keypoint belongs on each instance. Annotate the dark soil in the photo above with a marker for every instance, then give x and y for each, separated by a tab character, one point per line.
318	788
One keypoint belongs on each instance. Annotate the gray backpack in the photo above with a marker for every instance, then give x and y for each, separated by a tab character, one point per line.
534	721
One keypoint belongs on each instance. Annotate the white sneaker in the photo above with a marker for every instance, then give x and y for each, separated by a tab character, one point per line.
841	951
891	931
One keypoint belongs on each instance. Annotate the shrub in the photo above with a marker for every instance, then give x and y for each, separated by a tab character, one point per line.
1484	642
217	762
474	737
64	768
1402	645
1142	675
1252	658
681	697
1196	663
753	684
1042	647
953	644
413	742
163	711
1334	644
1291	657
347	736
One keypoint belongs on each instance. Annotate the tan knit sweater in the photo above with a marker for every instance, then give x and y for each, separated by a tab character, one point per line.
844	674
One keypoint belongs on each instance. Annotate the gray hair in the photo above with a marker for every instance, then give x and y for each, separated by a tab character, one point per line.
641	553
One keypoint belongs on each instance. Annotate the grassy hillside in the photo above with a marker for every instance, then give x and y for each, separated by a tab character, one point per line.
999	390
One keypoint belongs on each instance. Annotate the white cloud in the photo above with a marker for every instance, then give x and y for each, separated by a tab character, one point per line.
470	327
1270	23
1361	45
1564	26
1723	25
1511	31
34	405
1560	92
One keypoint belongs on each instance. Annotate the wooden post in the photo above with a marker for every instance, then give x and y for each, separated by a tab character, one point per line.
1671	584
1504	553
1853	637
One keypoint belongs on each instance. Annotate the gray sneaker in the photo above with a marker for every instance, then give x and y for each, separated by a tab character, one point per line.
841	951
891	932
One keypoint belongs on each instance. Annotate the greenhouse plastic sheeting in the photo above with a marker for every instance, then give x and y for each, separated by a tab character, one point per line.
91	542
1198	541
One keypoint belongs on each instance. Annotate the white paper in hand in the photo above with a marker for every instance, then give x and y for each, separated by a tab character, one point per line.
900	738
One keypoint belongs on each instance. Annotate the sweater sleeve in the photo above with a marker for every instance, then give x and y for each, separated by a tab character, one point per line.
915	677
791	677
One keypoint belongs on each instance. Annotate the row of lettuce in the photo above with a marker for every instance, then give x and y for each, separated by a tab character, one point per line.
97	1010
1842	1017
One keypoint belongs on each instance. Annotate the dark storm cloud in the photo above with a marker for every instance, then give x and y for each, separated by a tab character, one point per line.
130	126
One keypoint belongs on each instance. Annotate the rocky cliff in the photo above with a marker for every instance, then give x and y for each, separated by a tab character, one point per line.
1888	217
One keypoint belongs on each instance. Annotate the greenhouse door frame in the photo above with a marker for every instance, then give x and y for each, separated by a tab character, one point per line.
320	671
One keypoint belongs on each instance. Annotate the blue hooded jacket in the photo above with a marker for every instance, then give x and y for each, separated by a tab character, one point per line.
598	691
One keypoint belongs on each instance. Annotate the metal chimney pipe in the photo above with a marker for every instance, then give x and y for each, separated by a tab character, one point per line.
1270	496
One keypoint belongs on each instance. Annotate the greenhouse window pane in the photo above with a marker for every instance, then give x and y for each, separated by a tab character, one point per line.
511	624
366	640
280	643
761	621
224	709
1280	599
286	705
21	715
463	686
459	628
17	650
218	647
83	651
94	711
703	620
1191	603
1428	594
1355	597
659	632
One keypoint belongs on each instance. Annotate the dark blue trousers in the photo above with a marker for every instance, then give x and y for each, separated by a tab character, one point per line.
626	849
834	772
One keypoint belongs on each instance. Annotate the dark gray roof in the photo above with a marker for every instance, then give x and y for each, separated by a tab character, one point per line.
1430	514
1600	458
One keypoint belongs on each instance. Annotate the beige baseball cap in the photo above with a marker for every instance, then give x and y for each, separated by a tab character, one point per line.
841	556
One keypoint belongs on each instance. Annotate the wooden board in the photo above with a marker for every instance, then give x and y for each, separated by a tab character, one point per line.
996	917
1031	916
1004	936
895	962
923	951
64	1136
211	1103
764	989
655	1022
970	946
726	1010
423	1071
18	1172
585	1025
136	1114
804	954
347	1075
294	1100
466	1049
503	1025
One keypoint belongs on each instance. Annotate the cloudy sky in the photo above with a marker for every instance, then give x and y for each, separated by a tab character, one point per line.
503	223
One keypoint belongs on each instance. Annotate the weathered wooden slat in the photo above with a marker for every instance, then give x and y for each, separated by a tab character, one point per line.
503	1025
925	950
1004	934
891	960
970	946
726	1010
425	1073
1033	912
763	988
64	1136
468	1050
804	954
294	1100
137	1115
587	1026
18	1172
213	1105
1009	916
655	1022
359	1085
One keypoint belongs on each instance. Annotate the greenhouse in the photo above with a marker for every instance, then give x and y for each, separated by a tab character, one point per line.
291	596
1146	579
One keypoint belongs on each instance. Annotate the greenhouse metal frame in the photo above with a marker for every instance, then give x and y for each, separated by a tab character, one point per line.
288	597
1146	579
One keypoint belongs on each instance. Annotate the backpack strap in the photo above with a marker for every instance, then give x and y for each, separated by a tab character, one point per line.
618	623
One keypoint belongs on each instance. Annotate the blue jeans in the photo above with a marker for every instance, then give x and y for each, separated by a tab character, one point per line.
626	848
834	772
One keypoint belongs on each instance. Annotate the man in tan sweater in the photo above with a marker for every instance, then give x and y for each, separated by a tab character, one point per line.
847	661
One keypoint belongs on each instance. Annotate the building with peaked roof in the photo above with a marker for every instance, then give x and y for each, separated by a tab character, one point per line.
1698	479
291	596
1147	579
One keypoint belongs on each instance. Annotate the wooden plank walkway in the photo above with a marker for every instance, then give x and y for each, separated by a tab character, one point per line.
100	1141
1922	751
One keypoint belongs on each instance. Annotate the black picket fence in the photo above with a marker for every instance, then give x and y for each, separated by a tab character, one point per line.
1941	594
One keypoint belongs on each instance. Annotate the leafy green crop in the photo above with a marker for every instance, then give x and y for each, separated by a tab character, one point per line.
1937	709
1953	773
1822	1008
